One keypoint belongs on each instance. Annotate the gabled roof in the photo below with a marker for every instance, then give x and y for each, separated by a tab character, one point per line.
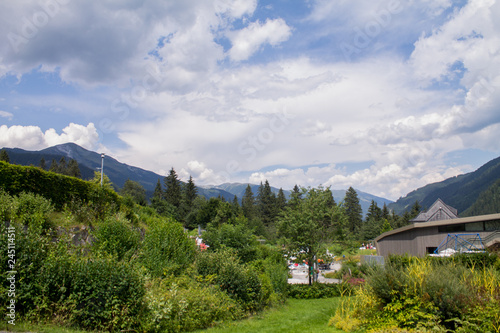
438	211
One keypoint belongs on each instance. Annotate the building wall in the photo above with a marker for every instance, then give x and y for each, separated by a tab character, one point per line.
414	242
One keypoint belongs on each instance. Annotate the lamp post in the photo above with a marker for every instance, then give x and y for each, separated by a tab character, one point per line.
102	168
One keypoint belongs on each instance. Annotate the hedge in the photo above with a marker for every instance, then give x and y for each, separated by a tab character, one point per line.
60	189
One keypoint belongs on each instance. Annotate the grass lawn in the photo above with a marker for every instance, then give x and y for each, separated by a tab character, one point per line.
46	328
296	316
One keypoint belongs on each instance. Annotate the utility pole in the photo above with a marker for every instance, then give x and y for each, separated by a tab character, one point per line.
102	168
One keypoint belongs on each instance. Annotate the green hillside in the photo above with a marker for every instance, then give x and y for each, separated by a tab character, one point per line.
460	192
488	202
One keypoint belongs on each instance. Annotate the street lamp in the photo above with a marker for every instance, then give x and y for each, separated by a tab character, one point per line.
102	168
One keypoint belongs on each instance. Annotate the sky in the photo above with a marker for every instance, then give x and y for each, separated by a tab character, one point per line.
384	96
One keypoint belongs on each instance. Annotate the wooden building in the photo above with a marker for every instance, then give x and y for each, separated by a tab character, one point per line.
424	237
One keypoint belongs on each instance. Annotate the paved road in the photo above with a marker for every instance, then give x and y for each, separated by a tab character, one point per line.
299	275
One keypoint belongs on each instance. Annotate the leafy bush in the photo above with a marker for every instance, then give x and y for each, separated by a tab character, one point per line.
223	268
33	210
106	294
116	237
31	251
181	304
7	206
166	249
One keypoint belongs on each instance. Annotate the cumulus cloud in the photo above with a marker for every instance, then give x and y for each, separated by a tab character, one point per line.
32	137
247	41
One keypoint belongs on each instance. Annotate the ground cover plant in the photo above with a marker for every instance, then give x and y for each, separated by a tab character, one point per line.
460	294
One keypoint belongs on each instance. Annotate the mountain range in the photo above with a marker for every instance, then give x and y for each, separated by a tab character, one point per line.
118	173
461	192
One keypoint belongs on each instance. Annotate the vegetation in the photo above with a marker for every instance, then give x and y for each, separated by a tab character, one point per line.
137	270
424	295
89	258
297	316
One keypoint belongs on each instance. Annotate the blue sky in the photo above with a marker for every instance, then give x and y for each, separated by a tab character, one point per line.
385	96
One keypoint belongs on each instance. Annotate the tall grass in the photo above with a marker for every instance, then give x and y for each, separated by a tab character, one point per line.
424	294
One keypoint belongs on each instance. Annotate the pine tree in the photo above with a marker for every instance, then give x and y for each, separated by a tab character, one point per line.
266	204
385	212
190	193
415	210
173	189
330	200
73	169
158	192
53	166
353	211
248	203
4	156
43	165
280	200
374	212
63	168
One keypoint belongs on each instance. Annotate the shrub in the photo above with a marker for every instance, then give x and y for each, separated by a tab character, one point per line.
106	294
166	249
116	237
7	206
33	210
223	268
181	304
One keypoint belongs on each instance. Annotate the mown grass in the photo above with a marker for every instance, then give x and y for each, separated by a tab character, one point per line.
39	328
297	315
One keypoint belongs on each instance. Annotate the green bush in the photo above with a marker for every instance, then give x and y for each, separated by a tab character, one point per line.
31	251
181	304
223	268
7	206
106	295
166	249
33	210
117	238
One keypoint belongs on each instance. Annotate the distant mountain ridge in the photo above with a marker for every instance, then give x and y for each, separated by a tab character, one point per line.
460	192
118	173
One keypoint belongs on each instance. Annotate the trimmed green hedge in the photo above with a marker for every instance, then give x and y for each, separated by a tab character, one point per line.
316	290
60	189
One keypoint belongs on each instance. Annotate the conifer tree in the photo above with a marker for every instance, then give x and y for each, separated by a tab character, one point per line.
53	166
248	203
353	211
4	156
43	164
173	189
385	212
62	169
280	200
190	193
266	203
158	192
73	169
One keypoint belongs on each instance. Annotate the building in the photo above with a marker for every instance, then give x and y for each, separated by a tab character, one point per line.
427	232
439	211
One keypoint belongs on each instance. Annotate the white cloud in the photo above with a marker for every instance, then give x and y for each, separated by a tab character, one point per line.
247	41
32	137
5	114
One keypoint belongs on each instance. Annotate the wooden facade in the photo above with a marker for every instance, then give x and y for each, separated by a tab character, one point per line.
421	238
